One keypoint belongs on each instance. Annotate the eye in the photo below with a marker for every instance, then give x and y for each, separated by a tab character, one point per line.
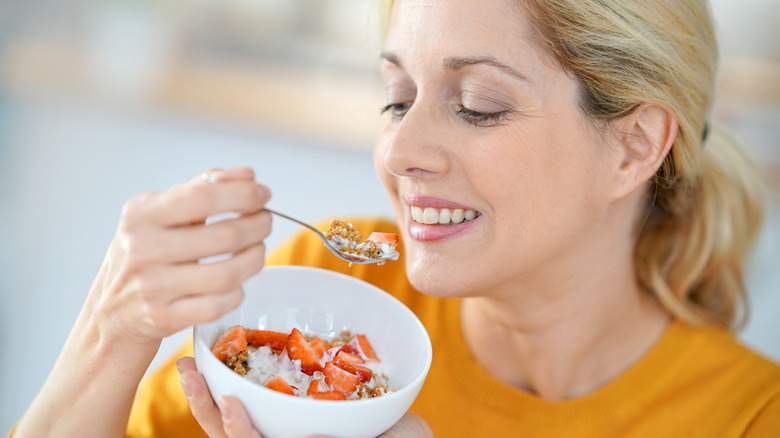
398	110
481	119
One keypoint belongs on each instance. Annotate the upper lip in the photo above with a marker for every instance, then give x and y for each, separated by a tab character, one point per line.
418	200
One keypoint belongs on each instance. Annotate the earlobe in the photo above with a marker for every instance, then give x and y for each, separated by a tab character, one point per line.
647	137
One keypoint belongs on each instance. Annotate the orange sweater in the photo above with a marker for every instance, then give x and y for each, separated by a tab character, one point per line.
696	382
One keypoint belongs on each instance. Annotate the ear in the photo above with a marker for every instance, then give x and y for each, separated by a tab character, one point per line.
646	137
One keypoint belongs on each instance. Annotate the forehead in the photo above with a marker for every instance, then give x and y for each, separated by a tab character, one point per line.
439	28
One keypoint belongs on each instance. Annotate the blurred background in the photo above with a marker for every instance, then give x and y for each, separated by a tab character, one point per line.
101	100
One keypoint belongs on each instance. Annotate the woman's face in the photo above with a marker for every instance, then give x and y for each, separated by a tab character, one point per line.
480	123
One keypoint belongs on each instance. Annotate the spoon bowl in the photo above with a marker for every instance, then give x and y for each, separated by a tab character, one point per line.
347	257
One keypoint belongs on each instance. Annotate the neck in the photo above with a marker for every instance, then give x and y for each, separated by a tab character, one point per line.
559	359
572	327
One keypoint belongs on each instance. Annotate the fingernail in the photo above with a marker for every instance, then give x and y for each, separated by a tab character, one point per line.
178	366
185	386
265	193
227	410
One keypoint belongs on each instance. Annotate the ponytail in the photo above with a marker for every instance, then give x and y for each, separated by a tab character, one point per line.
693	256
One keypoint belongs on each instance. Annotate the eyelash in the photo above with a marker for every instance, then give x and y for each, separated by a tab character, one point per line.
477	118
471	117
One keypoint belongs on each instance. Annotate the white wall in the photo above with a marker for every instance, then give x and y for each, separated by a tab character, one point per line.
748	28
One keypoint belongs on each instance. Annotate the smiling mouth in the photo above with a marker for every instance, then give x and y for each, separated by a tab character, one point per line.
442	216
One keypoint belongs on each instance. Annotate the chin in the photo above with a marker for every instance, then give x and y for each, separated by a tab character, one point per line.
437	276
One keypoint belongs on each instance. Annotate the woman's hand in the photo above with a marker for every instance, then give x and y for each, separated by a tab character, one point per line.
151	284
230	420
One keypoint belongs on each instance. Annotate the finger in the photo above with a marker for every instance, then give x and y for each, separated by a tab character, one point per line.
201	403
187	203
186	363
192	243
192	202
235	420
169	283
212	174
410	425
170	298
235	174
199	309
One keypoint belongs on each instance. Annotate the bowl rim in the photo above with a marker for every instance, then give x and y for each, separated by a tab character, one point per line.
417	381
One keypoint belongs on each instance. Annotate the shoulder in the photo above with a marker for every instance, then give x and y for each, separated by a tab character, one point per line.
737	377
724	347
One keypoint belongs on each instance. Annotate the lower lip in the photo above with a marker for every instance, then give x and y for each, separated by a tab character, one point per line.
431	233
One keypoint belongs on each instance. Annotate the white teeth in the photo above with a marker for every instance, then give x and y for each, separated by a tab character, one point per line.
444	216
457	216
417	214
430	216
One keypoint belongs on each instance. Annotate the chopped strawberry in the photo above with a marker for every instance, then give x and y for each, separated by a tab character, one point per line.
316	386
231	342
366	348
279	384
362	372
299	349
260	338
320	346
346	348
328	395
340	380
349	357
380	238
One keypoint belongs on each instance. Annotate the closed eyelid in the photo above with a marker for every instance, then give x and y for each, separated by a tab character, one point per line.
485	99
392	58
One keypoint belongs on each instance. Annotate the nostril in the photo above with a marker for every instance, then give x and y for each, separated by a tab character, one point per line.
417	172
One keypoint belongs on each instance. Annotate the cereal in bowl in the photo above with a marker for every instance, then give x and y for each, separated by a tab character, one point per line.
346	368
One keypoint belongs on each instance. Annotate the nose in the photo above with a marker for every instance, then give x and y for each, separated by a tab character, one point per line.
417	145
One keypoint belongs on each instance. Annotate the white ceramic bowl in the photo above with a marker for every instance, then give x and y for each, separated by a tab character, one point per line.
321	302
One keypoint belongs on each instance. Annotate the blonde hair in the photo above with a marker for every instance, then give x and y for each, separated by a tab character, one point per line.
706	201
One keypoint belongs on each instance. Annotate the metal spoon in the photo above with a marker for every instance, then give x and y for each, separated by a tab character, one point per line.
347	257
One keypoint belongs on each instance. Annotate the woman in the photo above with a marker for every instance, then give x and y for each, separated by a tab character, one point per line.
589	290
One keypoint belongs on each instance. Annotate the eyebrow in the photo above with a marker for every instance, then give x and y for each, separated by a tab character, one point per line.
453	63
457	63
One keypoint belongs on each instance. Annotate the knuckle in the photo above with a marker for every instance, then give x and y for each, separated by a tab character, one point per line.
161	320
133	211
189	193
249	196
258	255
138	252
152	315
262	225
146	290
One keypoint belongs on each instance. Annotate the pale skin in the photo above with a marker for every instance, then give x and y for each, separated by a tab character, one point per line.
551	306
551	302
